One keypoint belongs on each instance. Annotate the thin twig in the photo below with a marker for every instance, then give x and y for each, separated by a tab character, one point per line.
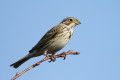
46	58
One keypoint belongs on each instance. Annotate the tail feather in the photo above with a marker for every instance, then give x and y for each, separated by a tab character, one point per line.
21	61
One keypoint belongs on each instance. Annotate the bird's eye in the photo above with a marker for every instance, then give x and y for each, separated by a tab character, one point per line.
71	20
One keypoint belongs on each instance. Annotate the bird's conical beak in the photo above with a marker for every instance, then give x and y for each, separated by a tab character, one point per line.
78	22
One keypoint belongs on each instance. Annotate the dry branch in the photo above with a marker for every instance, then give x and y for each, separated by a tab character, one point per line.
52	58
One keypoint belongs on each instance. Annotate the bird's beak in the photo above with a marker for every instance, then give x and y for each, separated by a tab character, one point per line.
78	22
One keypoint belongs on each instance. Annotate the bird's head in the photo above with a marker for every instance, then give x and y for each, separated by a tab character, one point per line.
70	20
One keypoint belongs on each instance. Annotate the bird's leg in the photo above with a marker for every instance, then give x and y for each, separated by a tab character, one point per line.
47	55
63	55
52	58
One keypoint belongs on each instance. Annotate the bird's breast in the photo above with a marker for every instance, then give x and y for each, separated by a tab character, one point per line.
61	40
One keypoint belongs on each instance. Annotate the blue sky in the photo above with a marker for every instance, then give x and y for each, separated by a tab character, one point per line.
24	22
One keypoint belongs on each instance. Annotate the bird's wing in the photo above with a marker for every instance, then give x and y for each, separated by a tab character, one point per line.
48	36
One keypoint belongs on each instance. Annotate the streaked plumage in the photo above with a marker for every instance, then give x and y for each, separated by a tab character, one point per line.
54	40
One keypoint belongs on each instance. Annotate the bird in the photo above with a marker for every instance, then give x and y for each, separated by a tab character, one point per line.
54	40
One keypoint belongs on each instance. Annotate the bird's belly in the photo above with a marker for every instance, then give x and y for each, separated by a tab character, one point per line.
59	43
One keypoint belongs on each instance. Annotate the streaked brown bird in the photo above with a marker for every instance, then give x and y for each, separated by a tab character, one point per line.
54	40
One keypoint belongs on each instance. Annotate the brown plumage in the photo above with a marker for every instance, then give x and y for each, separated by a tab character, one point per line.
54	40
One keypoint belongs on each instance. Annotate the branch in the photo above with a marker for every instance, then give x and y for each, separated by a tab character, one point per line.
51	57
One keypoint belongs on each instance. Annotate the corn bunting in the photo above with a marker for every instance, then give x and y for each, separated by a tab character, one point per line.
54	40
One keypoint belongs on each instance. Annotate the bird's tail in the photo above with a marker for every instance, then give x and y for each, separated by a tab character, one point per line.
19	62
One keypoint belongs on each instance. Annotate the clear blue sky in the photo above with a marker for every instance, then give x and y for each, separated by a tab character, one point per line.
24	22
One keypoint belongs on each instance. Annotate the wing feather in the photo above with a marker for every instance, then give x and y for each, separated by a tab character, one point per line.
52	33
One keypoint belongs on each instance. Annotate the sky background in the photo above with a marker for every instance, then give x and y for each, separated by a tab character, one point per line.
24	22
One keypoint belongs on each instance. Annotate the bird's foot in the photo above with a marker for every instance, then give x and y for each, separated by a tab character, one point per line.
63	55
52	58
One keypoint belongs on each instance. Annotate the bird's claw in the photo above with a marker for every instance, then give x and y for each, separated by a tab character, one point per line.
64	56
52	58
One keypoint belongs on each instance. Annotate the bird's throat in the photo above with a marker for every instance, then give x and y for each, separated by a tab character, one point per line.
72	25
